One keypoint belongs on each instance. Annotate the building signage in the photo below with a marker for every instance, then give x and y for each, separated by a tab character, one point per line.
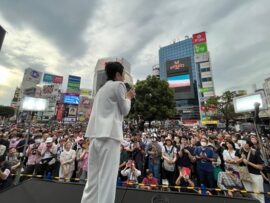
73	85
49	78
199	38
200	48
201	57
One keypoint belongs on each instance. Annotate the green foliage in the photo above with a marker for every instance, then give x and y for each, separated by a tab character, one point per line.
224	105
154	100
6	111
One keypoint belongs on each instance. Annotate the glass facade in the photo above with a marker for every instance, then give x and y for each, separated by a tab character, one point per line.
187	109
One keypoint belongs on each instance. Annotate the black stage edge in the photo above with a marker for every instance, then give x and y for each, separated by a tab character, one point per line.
40	191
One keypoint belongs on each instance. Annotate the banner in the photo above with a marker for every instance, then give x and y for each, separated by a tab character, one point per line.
2	36
199	38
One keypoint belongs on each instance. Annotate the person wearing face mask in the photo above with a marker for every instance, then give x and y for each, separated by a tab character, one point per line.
252	159
33	155
204	158
154	151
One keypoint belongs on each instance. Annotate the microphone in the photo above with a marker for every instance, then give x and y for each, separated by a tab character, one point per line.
128	86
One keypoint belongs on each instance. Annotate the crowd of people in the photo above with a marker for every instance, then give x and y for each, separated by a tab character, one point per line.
193	158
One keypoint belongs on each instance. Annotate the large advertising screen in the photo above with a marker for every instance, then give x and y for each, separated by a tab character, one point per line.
70	99
247	103
179	81
179	77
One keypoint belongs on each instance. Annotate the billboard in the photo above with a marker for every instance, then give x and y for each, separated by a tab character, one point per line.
179	81
201	57
71	99
50	91
49	78
32	75
73	85
178	66
200	48
247	103
179	77
198	38
33	104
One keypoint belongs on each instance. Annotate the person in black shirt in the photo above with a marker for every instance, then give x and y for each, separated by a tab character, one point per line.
252	159
5	174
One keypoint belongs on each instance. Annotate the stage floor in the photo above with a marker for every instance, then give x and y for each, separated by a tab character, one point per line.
40	191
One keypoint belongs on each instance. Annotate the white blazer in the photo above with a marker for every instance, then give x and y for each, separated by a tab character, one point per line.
109	108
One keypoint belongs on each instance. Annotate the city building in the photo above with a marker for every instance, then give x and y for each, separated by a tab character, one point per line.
100	75
266	87
155	71
187	67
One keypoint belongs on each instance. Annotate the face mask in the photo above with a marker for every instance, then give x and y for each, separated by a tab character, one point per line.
203	144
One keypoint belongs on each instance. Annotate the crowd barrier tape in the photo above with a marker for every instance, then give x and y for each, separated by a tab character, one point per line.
151	185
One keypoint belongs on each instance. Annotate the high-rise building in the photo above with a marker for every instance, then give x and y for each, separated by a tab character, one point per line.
177	66
266	87
100	75
187	68
155	71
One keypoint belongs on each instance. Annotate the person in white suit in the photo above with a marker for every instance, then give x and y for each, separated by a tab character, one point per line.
111	104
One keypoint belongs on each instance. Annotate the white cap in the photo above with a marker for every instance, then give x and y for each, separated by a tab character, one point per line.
49	140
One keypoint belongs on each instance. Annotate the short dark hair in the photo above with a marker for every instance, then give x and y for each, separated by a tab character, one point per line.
112	68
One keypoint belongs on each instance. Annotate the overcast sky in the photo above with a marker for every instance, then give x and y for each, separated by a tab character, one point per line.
67	37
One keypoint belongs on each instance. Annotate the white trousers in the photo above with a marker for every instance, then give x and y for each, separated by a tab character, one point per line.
103	164
255	186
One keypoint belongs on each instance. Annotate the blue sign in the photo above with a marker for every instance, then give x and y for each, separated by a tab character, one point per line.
70	99
48	78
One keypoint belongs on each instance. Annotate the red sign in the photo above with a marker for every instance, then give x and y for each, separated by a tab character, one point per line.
199	38
209	109
58	79
190	122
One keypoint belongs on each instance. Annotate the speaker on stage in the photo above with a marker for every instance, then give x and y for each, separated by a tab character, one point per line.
2	36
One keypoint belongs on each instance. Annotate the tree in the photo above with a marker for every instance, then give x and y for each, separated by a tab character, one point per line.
154	100
6	111
224	105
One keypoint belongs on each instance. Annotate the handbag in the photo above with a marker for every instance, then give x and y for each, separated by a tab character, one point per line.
244	173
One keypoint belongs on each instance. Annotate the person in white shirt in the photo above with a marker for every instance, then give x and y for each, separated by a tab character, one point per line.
105	130
131	172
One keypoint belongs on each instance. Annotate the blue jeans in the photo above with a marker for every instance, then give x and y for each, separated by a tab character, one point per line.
155	168
206	178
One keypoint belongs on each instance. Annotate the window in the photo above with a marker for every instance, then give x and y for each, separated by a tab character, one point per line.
206	79
205	70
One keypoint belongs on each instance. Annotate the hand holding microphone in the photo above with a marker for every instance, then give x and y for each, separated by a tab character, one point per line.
130	91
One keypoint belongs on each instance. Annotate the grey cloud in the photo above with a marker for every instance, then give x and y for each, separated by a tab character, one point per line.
63	22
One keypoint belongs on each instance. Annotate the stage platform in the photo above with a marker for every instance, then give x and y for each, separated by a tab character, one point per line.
40	191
